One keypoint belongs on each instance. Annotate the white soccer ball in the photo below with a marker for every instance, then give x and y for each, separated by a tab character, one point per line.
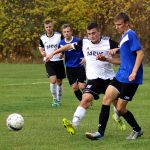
15	122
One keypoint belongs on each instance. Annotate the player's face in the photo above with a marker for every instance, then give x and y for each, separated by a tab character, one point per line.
67	33
121	26
48	28
93	35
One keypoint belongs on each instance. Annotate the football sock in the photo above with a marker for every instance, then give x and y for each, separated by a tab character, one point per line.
128	116
53	90
78	115
103	118
78	94
59	92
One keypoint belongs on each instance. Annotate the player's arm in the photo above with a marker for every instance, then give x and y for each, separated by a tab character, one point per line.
138	62
67	47
41	48
59	50
113	60
113	51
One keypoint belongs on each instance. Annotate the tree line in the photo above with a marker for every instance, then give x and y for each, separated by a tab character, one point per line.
22	22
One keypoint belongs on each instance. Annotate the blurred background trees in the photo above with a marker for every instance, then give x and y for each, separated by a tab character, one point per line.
22	22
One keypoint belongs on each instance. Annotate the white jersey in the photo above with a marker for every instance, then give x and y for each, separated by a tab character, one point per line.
96	68
49	44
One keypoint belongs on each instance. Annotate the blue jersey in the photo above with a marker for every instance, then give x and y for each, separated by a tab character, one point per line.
72	56
129	44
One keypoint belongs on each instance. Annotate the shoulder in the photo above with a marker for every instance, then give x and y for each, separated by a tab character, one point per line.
131	34
62	42
76	38
57	34
43	35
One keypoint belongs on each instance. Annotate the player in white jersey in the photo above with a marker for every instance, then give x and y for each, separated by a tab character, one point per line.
99	73
54	66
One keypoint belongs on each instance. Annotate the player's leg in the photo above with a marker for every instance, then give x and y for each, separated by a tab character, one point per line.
128	91
117	118
59	89
110	95
78	93
60	74
87	97
73	81
52	79
81	78
78	114
53	87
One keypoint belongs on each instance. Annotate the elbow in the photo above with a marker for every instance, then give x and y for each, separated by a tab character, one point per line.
142	56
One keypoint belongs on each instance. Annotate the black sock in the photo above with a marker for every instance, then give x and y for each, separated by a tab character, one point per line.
78	94
128	116
103	118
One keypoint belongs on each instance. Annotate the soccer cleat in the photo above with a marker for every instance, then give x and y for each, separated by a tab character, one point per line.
134	135
120	123
93	136
56	103
69	126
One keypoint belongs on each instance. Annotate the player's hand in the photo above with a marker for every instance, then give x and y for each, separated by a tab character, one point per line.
60	55
48	57
100	57
112	52
82	62
43	53
132	76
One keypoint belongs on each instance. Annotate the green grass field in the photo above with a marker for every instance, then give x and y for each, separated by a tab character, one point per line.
24	89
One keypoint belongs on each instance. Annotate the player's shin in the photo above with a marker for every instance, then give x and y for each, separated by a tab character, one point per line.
78	115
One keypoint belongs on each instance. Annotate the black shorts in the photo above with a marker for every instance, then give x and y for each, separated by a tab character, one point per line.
76	75
96	87
55	68
127	90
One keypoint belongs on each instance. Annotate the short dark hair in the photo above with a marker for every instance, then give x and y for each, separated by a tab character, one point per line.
66	26
122	16
93	25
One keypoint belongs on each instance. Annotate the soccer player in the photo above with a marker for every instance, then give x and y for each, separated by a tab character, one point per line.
54	66
99	73
73	61
126	81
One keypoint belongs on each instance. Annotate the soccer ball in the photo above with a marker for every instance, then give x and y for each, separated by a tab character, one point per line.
15	122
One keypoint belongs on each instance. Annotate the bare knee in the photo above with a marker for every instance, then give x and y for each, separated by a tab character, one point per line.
121	111
82	86
86	100
106	100
75	87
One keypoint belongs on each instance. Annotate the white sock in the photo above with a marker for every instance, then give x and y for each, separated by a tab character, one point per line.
59	92
116	115
78	115
53	90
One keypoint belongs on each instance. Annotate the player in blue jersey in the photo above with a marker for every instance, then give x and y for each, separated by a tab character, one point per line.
73	61
126	81
55	66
